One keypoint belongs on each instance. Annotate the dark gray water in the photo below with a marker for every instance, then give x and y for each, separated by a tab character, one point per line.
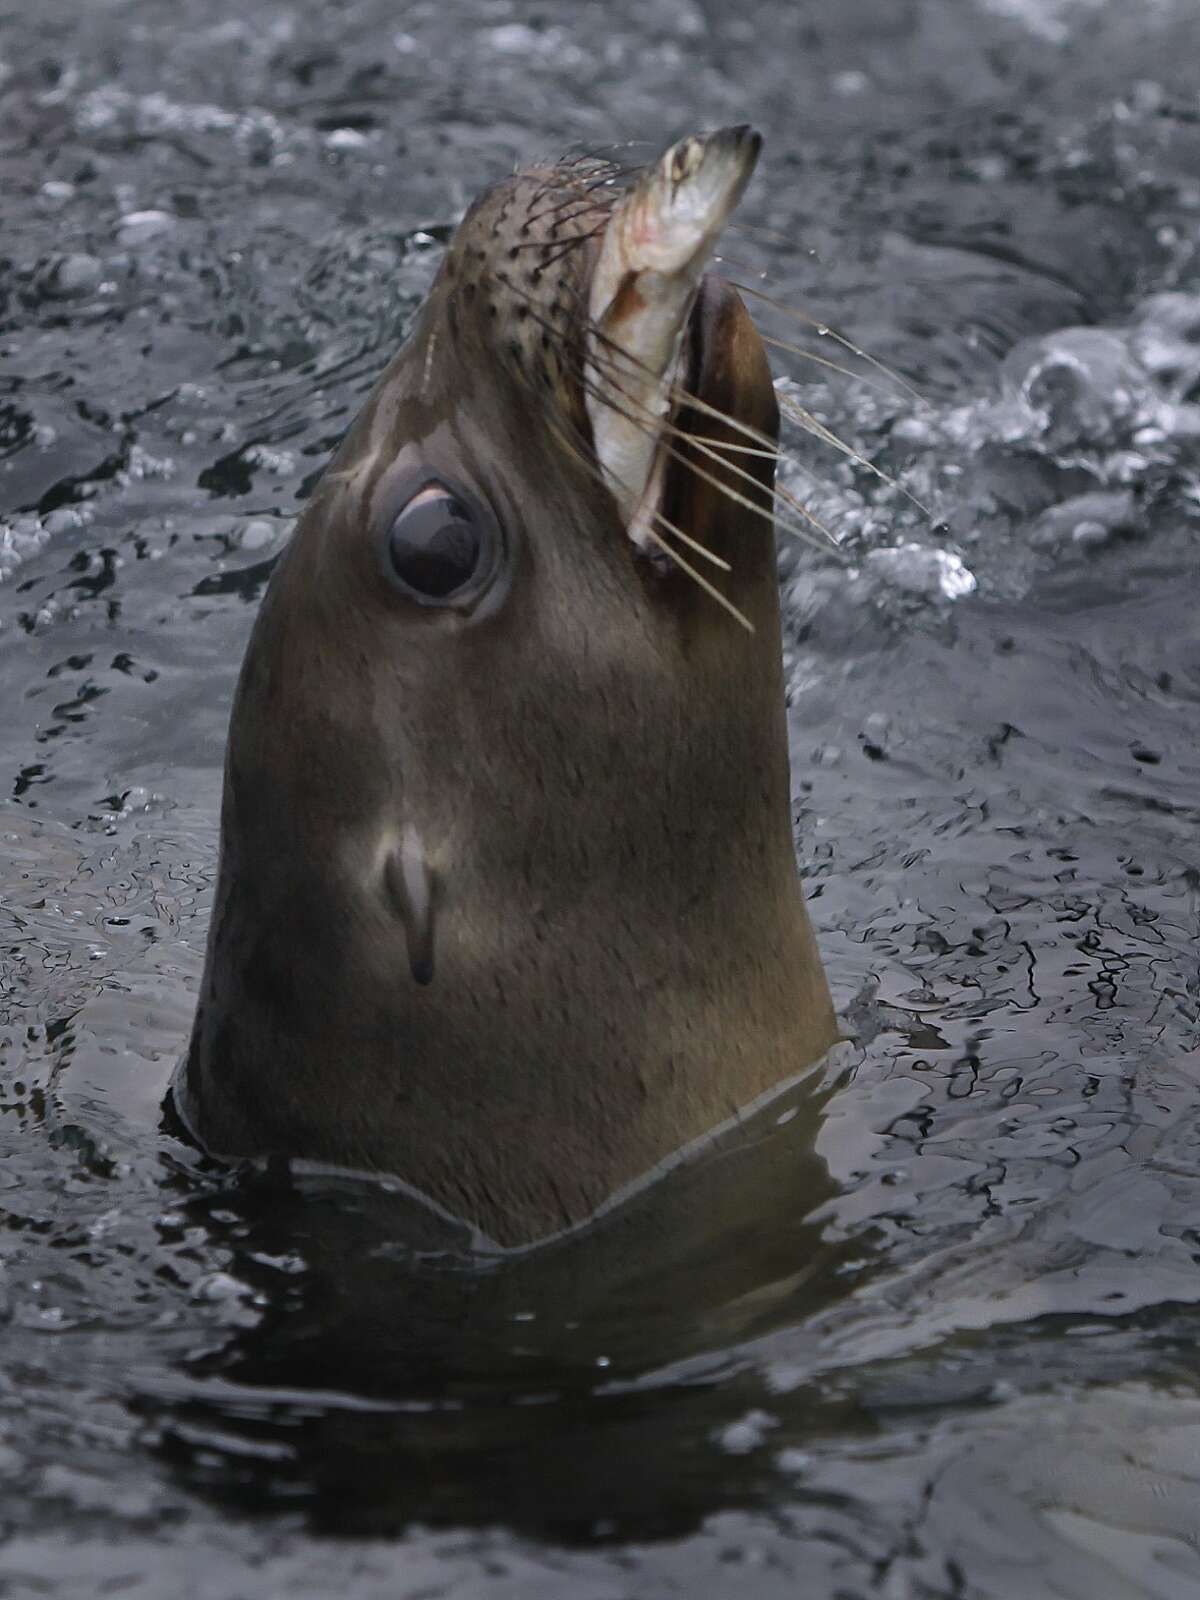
952	1350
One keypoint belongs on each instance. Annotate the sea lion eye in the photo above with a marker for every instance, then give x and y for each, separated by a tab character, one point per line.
442	547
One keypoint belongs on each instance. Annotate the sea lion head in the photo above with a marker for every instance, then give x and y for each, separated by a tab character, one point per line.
507	901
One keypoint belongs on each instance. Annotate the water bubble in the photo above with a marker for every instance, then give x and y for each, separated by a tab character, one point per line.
259	533
1085	519
877	725
219	1286
260	137
55	194
1076	384
271	459
534	44
937	574
748	1433
1038	16
1091	533
64	518
989	168
70	276
141	465
850	83
346	139
19	539
138	227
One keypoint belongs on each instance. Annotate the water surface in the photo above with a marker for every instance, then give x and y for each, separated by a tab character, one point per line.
947	1351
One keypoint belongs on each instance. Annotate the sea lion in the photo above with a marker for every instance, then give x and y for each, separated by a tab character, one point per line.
508	903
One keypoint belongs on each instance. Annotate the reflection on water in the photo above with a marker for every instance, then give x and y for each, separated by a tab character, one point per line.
945	1348
397	1375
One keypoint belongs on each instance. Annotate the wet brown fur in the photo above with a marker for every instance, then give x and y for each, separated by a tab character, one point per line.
597	773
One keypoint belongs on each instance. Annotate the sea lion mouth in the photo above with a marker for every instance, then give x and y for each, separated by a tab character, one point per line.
648	333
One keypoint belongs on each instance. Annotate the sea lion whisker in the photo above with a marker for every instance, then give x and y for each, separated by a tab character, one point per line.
740	225
699	443
574	446
818	429
603	165
569	244
540	244
555	249
694	544
615	362
724	259
685	397
533	308
656	425
703	442
827	332
770	513
607	173
765	443
798	505
540	193
697	577
639	416
584	203
821	361
741	449
596	471
557	197
611	182
577	156
577	365
574	193
787	527
559	187
595	152
618	174
663	425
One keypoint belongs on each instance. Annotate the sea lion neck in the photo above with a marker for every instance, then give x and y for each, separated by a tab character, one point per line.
508	904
